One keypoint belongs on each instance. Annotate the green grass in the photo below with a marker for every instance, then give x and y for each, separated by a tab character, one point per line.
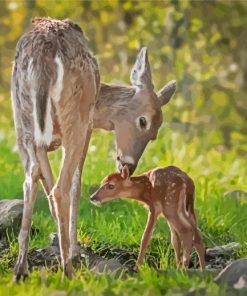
120	223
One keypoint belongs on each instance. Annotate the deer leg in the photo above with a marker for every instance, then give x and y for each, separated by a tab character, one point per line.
61	198
176	244
46	177
198	244
32	172
187	239
152	217
75	197
66	192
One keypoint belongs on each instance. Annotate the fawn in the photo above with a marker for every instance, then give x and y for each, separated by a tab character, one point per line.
168	191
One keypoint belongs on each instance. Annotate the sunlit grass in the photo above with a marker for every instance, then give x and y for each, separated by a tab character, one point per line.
120	223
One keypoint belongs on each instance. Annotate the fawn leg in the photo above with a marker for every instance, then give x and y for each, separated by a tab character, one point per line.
184	229
176	244
187	239
152	217
198	244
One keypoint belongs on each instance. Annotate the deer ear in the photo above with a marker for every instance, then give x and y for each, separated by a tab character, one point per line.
125	172
141	74
166	92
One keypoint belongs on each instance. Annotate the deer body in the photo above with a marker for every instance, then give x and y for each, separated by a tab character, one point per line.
167	191
57	100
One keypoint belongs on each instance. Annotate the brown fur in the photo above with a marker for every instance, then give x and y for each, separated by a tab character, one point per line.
57	100
168	191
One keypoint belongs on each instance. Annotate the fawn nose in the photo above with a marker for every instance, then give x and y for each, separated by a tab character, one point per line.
94	199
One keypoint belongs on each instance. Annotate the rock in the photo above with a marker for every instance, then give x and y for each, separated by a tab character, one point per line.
241	283
225	250
3	244
111	266
196	292
48	256
59	293
235	274
54	239
10	215
235	193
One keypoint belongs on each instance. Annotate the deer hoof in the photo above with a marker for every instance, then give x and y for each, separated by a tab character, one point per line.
68	271
136	268
20	276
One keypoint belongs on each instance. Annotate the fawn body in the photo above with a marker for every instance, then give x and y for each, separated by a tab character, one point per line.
168	191
57	100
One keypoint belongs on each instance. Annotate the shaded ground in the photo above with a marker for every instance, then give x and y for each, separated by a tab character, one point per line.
217	258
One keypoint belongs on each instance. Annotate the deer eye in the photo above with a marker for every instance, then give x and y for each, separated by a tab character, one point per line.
110	186
143	122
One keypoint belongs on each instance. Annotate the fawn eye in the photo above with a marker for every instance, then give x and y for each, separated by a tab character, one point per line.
143	122
110	186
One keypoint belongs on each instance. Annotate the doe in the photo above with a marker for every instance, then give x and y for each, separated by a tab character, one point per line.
168	191
58	99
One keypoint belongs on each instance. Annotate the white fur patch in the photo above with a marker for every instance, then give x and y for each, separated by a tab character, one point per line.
128	159
44	138
30	70
95	202
182	213
58	86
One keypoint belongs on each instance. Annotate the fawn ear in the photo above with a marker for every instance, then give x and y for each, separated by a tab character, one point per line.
141	74
166	92
125	172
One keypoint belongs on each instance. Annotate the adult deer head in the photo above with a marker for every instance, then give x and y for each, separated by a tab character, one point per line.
134	113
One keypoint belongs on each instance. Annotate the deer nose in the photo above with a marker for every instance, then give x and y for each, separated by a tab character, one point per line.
94	199
130	166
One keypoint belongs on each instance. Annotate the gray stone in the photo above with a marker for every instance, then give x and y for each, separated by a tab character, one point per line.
235	274
241	283
10	214
3	244
235	193
225	250
111	266
59	293
54	241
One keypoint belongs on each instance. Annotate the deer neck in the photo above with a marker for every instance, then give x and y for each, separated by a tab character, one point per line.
111	100
142	189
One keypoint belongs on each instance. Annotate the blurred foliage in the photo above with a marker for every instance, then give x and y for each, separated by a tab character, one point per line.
202	44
